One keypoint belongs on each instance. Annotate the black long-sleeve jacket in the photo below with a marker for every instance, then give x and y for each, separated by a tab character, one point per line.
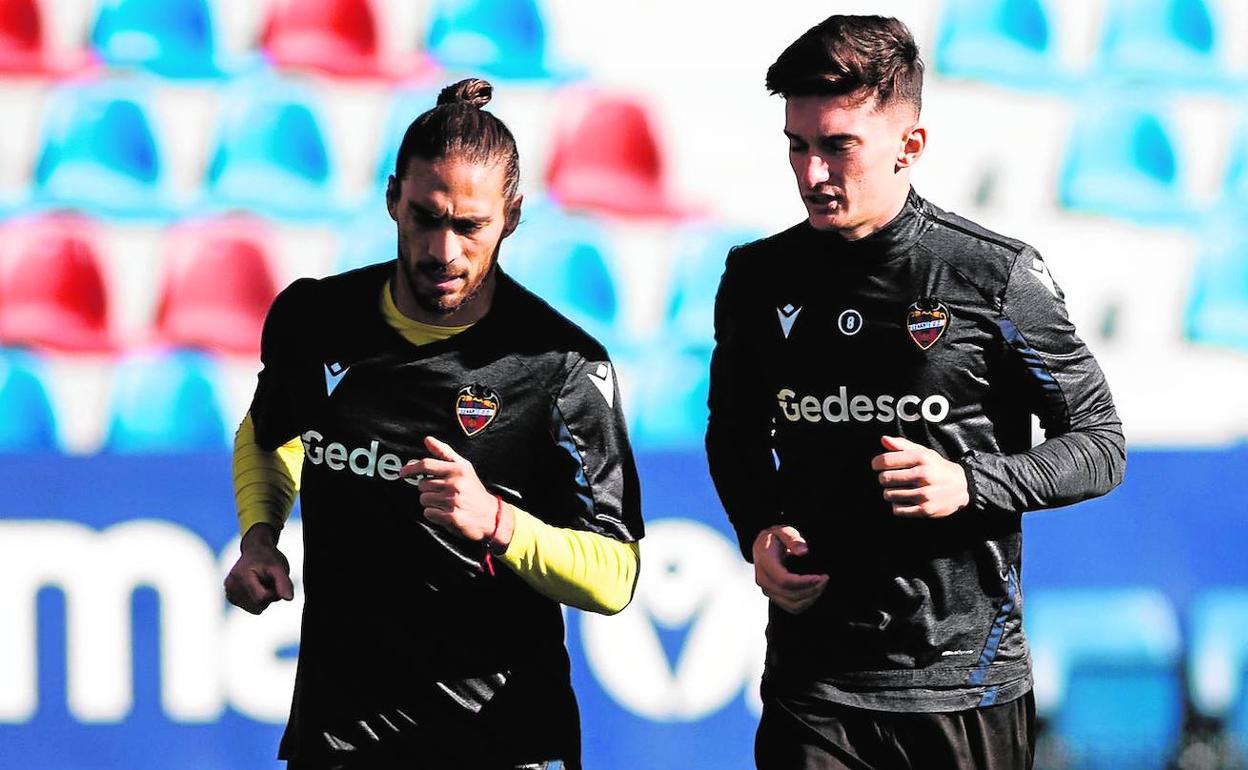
952	336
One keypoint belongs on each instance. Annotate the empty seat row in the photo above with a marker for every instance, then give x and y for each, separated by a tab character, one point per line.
1183	43
101	153
216	287
341	38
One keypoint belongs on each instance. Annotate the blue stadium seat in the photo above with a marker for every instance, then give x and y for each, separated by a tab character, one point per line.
1107	674
171	38
368	239
27	422
1218	659
1173	41
100	155
699	264
1236	189
165	402
272	156
1122	162
500	38
1007	41
564	260
668	404
1217	310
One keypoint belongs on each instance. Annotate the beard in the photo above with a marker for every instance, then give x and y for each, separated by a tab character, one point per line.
434	302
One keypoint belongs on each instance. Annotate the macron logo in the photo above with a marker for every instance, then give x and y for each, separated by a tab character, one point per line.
787	314
604	381
334	372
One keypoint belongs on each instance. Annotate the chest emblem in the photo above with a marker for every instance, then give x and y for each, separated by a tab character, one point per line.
787	315
476	407
926	321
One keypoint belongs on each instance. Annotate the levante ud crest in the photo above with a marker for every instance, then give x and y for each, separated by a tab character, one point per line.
926	321
475	408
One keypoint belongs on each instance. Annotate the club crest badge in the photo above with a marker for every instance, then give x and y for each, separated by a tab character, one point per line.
926	321
475	408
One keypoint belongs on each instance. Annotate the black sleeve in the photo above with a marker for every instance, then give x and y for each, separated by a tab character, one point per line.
738	431
1084	454
273	410
587	424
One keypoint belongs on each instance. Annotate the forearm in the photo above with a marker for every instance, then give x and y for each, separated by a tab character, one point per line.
1062	470
265	483
744	475
578	568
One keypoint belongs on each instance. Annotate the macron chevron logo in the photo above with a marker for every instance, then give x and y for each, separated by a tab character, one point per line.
334	372
787	314
604	381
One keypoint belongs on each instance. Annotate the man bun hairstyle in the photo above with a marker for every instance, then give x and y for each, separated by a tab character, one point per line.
459	127
847	54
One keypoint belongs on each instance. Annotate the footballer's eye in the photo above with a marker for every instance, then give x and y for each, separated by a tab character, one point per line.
797	147
467	227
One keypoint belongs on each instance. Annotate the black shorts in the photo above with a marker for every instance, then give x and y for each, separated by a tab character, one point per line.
815	735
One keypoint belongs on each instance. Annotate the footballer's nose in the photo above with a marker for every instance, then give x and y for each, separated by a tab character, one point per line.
444	246
814	173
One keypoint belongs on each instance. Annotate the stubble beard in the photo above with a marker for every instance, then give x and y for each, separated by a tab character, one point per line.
438	304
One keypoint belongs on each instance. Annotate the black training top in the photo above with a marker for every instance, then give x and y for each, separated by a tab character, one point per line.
952	336
408	648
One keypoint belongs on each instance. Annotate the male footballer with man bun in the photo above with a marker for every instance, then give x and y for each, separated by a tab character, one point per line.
463	466
875	373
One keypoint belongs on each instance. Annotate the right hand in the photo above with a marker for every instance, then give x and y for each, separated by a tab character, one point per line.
261	575
793	593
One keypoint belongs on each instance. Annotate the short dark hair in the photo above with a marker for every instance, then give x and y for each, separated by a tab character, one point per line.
458	127
845	54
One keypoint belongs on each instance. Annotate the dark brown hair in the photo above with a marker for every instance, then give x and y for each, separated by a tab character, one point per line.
846	54
458	127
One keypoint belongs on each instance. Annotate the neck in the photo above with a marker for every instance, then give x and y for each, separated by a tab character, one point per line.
470	311
874	224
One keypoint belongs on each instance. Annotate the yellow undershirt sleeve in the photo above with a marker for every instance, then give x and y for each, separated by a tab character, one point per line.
265	483
581	569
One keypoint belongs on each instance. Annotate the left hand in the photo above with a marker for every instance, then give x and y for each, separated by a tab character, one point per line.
918	482
453	497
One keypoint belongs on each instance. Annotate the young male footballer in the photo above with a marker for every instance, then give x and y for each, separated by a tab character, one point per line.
462	463
875	372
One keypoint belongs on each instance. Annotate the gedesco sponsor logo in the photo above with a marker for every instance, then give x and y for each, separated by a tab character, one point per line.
367	461
842	407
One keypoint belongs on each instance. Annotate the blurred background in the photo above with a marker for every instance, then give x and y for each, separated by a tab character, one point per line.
166	166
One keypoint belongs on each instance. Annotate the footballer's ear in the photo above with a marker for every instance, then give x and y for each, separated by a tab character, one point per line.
913	142
392	197
513	216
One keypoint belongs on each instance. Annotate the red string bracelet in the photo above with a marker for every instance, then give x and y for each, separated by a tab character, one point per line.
489	540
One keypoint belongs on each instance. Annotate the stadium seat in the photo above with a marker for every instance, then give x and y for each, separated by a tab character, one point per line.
100	155
499	38
564	261
27	422
165	402
1236	189
272	156
218	286
1171	41
368	239
336	37
1217	311
700	256
24	48
1107	674
1122	162
1005	41
668	403
52	293
170	38
606	159
1218	659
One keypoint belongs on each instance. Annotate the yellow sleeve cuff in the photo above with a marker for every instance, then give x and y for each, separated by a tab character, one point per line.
581	569
265	483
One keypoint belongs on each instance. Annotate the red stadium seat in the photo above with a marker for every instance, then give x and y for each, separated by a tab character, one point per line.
217	287
606	158
24	48
337	37
51	289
